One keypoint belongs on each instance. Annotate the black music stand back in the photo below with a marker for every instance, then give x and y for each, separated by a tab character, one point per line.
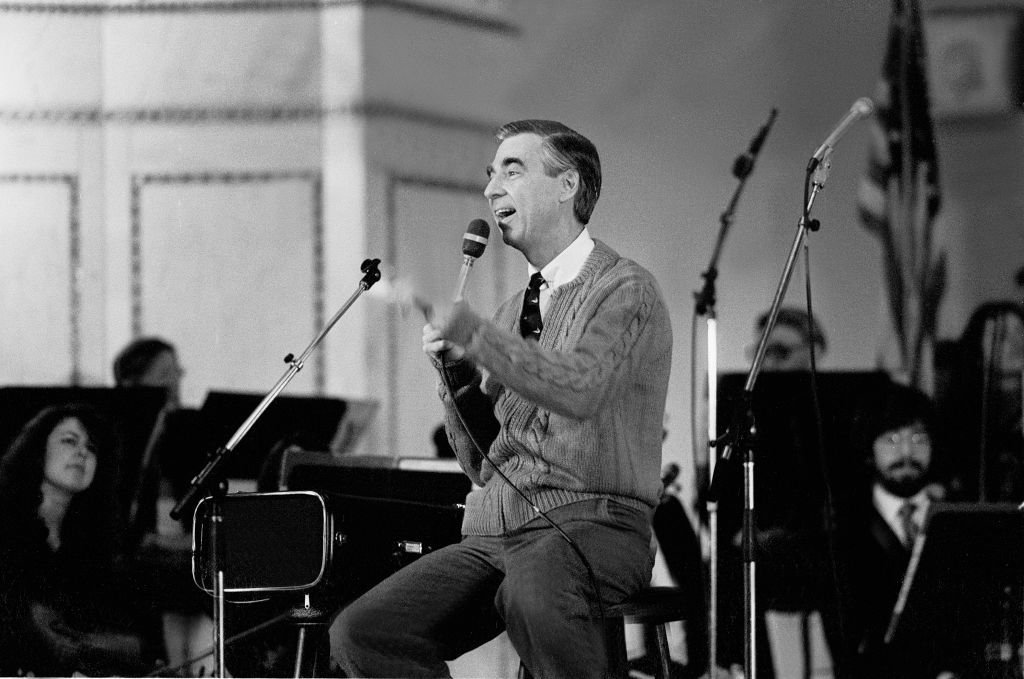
788	482
793	527
960	607
308	421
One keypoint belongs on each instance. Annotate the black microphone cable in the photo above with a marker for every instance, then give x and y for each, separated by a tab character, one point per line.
174	670
842	661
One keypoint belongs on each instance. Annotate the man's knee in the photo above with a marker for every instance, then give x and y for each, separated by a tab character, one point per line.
353	629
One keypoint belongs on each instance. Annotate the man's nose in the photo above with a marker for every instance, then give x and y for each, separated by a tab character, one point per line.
906	448
493	188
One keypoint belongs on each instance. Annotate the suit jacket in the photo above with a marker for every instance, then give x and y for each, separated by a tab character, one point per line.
880	561
883	560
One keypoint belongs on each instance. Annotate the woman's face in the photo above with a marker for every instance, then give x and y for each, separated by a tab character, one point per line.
70	456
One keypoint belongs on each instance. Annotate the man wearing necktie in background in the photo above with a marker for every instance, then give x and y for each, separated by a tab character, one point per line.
903	489
563	391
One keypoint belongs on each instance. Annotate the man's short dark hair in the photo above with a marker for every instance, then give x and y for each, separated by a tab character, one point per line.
796	318
900	406
134	360
563	149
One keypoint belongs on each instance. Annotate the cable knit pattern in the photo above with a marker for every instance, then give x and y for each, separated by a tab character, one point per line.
577	415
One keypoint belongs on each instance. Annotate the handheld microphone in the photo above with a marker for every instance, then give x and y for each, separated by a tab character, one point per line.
745	163
473	243
861	108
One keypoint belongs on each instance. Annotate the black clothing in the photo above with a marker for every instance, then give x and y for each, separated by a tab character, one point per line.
59	612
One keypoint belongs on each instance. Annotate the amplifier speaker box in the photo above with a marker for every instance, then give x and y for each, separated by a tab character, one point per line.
272	542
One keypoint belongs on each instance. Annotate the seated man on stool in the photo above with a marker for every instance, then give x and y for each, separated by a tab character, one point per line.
554	410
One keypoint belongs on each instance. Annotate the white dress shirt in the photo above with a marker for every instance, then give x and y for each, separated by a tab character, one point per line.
888	505
564	267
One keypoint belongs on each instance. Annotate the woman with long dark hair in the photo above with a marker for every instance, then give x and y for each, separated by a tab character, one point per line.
58	544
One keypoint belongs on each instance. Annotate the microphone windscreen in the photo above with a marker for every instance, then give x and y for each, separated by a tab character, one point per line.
475	239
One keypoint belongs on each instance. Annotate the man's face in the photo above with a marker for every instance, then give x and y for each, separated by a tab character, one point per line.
166	372
787	350
902	459
523	198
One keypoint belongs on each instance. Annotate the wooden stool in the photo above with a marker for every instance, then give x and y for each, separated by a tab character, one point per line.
653	606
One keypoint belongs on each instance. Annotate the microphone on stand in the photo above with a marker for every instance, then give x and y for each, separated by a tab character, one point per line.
861	108
745	163
473	243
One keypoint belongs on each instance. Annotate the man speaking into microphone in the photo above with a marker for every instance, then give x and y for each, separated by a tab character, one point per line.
554	409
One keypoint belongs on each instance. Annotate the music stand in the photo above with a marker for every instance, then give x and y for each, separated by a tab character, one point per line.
309	421
960	606
359	414
796	536
789	485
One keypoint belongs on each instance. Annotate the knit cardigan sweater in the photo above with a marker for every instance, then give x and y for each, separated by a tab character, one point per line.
577	415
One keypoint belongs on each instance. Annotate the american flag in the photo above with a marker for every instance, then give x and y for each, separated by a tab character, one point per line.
899	198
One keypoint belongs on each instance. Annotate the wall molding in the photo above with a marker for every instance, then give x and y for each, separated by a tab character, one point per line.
312	177
71	182
479	20
189	115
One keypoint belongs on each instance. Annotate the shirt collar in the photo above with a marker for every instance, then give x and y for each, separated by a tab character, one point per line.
567	263
889	505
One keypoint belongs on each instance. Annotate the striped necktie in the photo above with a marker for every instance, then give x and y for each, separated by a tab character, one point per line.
910	527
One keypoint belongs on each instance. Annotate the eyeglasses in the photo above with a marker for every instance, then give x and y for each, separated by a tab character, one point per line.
777	352
895	438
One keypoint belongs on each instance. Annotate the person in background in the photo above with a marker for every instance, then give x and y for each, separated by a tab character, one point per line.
903	486
793	338
562	393
159	548
150	362
61	600
982	405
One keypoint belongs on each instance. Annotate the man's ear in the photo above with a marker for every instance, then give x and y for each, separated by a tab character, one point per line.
570	184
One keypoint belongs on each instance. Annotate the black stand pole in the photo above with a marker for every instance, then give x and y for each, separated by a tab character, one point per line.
743	426
704	305
210	479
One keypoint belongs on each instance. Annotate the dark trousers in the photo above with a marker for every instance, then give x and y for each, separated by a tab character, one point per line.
530	583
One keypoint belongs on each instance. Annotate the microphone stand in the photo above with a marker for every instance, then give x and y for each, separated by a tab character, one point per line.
704	305
211	479
737	439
